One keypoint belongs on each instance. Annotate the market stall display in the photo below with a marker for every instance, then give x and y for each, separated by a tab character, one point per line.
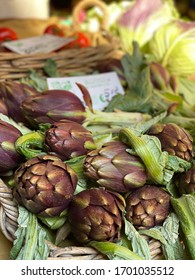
82	183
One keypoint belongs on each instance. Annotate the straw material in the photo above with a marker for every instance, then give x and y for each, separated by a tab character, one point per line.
8	212
16	66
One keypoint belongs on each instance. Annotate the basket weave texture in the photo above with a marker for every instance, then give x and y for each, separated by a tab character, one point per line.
104	46
16	66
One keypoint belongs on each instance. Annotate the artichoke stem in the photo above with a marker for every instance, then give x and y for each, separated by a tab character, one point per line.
27	144
151	163
114	118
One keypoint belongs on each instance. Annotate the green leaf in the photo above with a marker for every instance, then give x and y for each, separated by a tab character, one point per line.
50	68
168	235
37	81
184	207
159	165
54	223
139	89
30	238
170	230
139	244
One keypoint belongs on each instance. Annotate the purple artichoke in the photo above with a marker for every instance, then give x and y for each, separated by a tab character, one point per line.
147	206
68	139
13	94
52	106
96	214
9	157
114	168
45	185
174	139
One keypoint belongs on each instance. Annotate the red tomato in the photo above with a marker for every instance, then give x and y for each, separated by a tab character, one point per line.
54	29
7	34
81	41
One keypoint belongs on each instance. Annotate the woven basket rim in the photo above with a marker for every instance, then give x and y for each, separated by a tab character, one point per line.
16	66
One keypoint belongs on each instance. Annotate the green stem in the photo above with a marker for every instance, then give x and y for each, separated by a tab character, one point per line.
96	117
114	250
142	149
114	118
27	144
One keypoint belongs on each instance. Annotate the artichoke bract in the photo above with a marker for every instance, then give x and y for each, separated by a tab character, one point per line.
68	139
185	181
51	106
174	139
9	157
113	168
96	214
3	107
147	206
161	78
44	185
13	94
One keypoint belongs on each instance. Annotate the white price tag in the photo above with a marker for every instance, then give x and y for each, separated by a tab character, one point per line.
102	87
39	44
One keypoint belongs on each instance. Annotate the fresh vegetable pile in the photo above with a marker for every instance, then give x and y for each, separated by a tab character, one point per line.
105	179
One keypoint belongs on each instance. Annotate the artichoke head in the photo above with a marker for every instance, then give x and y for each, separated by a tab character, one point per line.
13	94
96	214
185	181
174	139
68	139
147	206
45	185
9	157
113	168
51	106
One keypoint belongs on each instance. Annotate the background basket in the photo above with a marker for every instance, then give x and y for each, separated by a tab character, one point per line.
8	225
104	46
16	66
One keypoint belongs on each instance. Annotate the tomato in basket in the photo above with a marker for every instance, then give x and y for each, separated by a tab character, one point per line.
7	34
54	29
81	41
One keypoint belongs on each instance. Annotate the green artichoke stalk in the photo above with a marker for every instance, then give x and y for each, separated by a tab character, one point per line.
174	139
68	139
113	168
13	94
54	105
96	214
147	206
45	185
9	157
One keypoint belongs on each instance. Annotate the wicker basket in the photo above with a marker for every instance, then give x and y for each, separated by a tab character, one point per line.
8	226
16	66
104	46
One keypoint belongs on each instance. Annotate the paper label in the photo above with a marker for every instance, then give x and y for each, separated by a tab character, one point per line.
102	87
39	44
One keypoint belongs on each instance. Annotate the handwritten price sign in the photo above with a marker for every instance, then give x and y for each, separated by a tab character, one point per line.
102	87
39	44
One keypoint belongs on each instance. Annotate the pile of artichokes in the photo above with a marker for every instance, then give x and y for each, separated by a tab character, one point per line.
96	169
